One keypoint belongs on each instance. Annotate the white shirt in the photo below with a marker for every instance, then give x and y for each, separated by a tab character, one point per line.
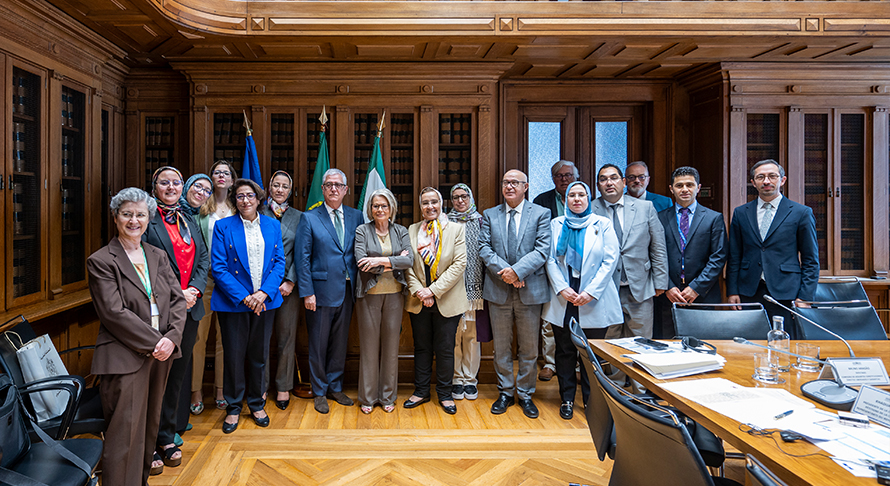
211	223
760	211
619	210
517	218
256	249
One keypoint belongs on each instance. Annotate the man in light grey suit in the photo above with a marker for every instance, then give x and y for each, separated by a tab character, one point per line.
642	271
514	245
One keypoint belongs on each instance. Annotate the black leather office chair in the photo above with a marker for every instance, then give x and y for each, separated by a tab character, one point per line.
37	460
720	321
599	418
88	418
656	447
839	289
757	474
850	320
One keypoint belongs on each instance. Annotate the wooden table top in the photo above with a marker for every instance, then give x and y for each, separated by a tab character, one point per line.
813	470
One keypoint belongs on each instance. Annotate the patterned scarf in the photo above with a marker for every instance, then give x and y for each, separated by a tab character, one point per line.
429	236
171	213
279	209
571	238
472	221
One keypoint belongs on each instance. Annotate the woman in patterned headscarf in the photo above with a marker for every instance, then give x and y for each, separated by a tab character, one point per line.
175	232
466	347
438	298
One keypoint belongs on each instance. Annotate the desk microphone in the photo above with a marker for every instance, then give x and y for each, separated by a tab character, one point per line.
831	393
829	331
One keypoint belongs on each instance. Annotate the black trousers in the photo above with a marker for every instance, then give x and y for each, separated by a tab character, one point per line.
328	330
245	340
180	367
433	334
566	357
773	309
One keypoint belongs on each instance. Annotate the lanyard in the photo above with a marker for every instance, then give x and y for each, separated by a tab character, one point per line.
146	281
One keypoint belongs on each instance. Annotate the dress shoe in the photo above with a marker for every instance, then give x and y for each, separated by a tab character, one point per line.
321	405
565	410
282	404
529	408
303	391
470	392
449	409
260	422
500	405
411	404
341	398
229	428
546	374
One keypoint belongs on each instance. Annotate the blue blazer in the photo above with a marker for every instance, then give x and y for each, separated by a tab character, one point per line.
231	270
660	202
318	249
788	257
705	252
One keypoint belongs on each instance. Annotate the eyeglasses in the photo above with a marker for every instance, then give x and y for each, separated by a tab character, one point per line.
247	196
763	177
640	178
165	183
131	215
334	185
512	183
460	197
223	173
380	207
566	177
613	178
200	189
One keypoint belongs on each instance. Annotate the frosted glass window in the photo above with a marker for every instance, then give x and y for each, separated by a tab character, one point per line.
543	151
611	145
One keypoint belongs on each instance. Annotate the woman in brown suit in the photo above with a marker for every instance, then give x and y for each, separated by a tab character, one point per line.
438	298
141	312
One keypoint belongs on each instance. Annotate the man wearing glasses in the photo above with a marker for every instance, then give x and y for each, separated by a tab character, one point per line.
325	253
514	245
637	177
772	246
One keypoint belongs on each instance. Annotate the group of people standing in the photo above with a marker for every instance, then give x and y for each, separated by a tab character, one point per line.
523	266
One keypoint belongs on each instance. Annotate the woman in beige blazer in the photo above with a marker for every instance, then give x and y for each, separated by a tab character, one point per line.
142	313
437	298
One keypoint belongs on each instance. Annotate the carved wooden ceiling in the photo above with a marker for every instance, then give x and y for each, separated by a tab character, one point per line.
541	39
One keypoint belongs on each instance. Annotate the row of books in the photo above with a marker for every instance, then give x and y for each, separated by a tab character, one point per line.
365	128
235	156
68	208
228	129
159	131
157	158
454	128
20	272
402	166
283	160
20	94
362	161
68	109
405	210
401	129
282	129
69	155
18	208
19	146
454	166
313	128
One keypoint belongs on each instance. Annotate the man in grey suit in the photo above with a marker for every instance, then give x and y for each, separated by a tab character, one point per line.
642	271
514	245
696	248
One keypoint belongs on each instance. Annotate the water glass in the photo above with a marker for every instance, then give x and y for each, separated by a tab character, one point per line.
766	368
810	351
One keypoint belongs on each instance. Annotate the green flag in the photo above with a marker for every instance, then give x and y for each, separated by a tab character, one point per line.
316	198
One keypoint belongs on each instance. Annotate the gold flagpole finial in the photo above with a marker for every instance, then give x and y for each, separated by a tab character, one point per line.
382	124
247	124
324	117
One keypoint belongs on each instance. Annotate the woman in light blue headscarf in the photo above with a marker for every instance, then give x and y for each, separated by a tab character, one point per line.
583	256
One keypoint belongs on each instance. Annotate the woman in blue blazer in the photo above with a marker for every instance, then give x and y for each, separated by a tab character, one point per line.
248	266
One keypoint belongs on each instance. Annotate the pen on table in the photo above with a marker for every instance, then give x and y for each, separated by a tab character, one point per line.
783	415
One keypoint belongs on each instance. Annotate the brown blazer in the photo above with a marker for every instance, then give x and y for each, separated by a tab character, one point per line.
449	288
126	338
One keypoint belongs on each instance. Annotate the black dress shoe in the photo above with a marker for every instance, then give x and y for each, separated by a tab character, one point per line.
500	405
229	428
565	410
529	408
282	404
410	404
449	409
261	422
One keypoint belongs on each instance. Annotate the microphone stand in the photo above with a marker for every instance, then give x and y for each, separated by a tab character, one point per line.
831	393
770	299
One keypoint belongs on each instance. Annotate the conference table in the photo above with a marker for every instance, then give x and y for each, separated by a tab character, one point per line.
813	470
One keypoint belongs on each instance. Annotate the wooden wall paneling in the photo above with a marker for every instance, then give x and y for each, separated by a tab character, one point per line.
343	129
738	160
427	173
486	147
93	178
795	171
680	154
6	150
135	150
201	158
880	192
54	182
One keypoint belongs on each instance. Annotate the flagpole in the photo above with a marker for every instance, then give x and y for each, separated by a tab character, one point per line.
247	123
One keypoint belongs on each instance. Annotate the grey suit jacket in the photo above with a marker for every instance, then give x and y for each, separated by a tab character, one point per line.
705	253
368	245
643	251
534	246
289	222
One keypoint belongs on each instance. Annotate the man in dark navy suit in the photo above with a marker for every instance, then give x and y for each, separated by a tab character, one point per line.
637	177
695	237
325	253
772	246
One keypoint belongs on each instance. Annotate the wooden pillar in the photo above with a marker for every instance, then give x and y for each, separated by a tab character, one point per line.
202	152
486	165
880	191
428	160
794	188
736	177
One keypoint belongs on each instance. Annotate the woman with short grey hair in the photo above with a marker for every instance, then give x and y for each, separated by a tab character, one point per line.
133	195
382	252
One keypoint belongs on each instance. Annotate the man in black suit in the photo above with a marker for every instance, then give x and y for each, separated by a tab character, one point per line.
696	248
772	246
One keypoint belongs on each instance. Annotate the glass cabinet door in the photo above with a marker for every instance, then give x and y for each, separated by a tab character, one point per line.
455	152
73	172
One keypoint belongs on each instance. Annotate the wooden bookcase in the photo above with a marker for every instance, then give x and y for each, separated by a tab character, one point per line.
74	170
160	139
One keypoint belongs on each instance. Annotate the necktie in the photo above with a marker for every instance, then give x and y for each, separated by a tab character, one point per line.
511	237
767	220
616	223
684	226
338	225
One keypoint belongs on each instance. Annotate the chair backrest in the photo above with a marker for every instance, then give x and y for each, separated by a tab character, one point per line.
847	289
599	418
655	447
758	475
721	321
851	323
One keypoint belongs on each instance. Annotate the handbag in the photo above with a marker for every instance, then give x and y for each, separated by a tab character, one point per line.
39	359
483	324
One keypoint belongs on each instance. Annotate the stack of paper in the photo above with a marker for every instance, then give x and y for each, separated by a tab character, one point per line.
675	365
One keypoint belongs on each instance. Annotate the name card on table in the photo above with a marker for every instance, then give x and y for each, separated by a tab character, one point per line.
857	371
873	403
